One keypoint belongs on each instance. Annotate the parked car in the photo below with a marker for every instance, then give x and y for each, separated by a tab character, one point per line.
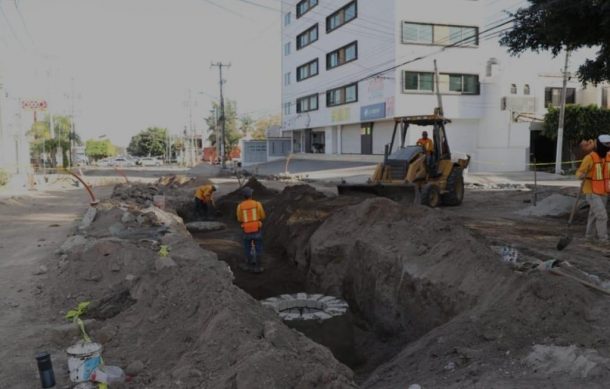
150	161
122	162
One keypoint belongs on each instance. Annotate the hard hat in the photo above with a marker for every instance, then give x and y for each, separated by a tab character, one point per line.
247	191
605	139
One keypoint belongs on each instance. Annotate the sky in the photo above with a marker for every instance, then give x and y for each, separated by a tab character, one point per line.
124	65
129	64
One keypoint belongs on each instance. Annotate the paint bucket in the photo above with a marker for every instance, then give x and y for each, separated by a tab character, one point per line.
83	359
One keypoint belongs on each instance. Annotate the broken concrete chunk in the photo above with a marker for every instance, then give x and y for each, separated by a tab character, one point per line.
205	226
42	269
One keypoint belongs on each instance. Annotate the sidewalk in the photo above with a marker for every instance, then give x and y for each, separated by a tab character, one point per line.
520	178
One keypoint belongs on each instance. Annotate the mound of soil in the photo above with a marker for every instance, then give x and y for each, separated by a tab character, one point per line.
228	203
140	194
419	279
179	317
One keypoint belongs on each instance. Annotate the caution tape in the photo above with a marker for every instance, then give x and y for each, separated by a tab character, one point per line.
500	163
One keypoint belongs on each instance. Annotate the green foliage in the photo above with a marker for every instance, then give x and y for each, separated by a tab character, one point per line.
98	149
3	177
263	124
581	122
42	141
150	142
232	132
79	311
552	25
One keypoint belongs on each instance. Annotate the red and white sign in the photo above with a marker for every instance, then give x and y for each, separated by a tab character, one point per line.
34	105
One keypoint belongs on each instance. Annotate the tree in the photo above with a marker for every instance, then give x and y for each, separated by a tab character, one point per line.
246	124
98	149
232	132
581	122
263	124
559	24
41	138
149	142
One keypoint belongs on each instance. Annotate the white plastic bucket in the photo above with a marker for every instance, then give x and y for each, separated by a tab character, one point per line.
83	359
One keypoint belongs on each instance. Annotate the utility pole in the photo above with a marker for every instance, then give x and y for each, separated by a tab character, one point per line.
73	129
220	65
438	91
562	112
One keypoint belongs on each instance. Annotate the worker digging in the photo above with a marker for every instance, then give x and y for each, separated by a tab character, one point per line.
204	201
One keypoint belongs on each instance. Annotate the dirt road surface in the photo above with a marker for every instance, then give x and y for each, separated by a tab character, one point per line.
33	226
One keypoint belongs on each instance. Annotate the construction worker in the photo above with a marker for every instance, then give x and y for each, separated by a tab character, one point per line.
594	169
204	199
250	214
426	143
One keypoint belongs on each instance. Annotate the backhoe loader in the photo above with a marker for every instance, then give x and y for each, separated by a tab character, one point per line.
410	175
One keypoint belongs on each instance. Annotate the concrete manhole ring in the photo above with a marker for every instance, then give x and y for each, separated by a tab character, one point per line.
303	306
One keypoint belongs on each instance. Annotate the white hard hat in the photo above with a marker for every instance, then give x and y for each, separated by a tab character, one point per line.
605	139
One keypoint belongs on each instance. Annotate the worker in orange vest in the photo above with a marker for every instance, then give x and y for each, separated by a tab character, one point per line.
204	200
595	170
428	145
250	214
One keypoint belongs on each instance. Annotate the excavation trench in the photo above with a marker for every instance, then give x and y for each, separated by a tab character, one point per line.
371	332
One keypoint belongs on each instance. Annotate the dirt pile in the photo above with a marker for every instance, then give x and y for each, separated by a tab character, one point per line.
419	279
178	316
553	205
228	203
141	194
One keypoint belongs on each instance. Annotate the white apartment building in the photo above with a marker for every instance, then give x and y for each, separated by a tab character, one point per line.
332	105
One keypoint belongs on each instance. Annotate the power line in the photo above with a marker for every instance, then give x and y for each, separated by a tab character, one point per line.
8	23
25	27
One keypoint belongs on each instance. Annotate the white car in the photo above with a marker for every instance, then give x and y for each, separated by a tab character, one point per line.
150	161
120	161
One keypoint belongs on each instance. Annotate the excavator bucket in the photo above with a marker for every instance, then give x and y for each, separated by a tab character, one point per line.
407	194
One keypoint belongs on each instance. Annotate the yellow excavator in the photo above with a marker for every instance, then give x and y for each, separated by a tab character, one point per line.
409	174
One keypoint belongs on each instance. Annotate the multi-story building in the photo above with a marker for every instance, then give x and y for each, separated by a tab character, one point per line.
350	67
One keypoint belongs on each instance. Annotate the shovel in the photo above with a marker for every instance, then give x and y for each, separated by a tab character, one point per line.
565	241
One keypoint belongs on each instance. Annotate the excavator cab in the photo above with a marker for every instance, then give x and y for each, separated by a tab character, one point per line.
410	175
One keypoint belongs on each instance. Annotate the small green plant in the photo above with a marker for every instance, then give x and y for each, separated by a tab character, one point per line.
75	315
3	177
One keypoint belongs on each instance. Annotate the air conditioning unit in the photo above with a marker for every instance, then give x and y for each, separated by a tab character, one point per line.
518	104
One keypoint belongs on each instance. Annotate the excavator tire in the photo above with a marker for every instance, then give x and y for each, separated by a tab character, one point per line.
455	187
431	195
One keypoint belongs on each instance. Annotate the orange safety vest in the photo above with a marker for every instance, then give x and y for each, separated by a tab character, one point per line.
250	218
600	174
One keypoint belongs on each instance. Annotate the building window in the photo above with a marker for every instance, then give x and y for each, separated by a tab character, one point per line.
449	83
342	56
419	81
287	49
342	16
287	108
343	95
526	89
307	103
305	6
552	96
439	34
463	83
286	79
308	70
287	18
307	37
513	89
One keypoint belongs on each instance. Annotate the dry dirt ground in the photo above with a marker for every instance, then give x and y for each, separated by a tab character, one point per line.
33	226
432	301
